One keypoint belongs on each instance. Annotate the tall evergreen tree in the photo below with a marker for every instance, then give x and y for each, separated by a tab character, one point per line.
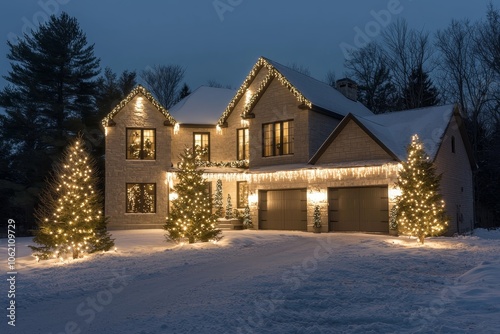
218	200
70	217
50	97
185	91
420	91
191	214
419	209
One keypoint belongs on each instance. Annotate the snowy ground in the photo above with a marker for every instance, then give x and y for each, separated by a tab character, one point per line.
263	282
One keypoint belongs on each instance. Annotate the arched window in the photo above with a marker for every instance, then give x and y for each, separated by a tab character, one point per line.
452	144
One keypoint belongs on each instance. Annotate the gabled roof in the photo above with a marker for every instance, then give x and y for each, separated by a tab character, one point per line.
393	131
108	120
308	91
396	128
202	106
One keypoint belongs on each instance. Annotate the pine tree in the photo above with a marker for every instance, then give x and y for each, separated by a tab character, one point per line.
218	203
317	216
191	214
420	209
229	208
185	91
247	218
420	91
70	219
50	96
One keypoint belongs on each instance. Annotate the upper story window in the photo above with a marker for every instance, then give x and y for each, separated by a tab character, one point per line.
202	140
141	144
243	148
277	138
141	198
452	144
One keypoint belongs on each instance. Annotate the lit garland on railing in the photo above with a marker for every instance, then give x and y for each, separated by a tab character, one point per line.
138	90
223	164
273	73
306	174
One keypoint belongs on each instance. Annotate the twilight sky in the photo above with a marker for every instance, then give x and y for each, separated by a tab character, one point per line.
222	39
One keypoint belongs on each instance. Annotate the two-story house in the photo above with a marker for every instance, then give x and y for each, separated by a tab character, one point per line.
281	144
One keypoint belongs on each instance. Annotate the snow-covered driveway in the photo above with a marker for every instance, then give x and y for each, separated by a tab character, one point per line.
264	282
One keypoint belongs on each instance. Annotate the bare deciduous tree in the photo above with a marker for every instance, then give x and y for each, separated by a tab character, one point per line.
405	51
299	68
163	81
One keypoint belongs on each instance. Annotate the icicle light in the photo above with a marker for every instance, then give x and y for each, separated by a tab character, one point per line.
309	174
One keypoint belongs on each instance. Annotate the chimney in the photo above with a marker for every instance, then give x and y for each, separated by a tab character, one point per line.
347	87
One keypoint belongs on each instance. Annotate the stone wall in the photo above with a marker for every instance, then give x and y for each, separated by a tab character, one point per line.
120	171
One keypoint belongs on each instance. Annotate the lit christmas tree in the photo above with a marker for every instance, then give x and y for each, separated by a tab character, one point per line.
219	210
420	209
70	218
191	214
229	208
247	219
317	216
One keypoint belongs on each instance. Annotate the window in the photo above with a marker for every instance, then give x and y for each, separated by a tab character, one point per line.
242	150
141	198
242	194
452	144
141	144
277	138
202	140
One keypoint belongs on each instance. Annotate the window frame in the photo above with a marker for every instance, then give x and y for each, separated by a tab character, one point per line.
239	204
273	138
141	152
194	142
142	186
246	148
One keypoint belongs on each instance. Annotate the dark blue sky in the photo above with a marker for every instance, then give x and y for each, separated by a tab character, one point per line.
222	39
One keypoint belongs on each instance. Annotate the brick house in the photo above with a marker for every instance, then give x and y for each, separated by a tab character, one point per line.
281	144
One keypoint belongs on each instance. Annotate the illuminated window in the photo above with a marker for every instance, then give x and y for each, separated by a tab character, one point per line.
243	148
141	198
141	144
202	140
242	194
277	138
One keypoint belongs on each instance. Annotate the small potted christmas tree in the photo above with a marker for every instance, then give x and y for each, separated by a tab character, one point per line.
247	219
317	220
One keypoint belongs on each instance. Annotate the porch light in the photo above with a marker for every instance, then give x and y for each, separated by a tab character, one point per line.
393	193
173	196
176	128
253	198
218	129
316	196
139	105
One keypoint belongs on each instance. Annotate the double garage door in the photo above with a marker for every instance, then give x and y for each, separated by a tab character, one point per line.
349	209
283	209
358	209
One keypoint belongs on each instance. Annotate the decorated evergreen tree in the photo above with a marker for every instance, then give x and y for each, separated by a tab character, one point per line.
191	214
247	219
420	209
317	216
70	219
219	210
229	208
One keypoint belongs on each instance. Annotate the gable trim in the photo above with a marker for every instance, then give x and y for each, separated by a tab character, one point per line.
339	129
139	89
273	73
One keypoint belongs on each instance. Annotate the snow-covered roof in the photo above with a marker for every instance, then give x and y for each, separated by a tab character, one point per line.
395	129
321	94
203	106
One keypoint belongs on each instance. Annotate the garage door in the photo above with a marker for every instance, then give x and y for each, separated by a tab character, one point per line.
283	209
358	209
